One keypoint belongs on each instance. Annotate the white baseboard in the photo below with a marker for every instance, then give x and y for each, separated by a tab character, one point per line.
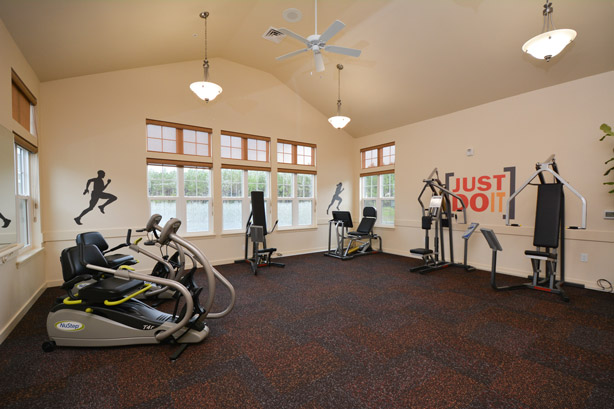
4	333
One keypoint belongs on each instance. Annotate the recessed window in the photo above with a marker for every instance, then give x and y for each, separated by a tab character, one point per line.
244	147
378	190
182	139
295	198
181	190
237	186
295	153
377	156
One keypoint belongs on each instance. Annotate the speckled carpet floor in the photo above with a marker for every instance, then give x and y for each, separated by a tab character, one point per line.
326	333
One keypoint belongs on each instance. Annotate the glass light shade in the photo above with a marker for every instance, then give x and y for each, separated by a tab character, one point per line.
206	91
548	44
339	121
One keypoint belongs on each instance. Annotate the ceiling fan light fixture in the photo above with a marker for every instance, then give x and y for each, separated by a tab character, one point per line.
205	90
339	121
551	41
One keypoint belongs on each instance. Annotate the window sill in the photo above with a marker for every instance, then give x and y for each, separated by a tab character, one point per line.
197	235
28	255
385	226
229	233
296	228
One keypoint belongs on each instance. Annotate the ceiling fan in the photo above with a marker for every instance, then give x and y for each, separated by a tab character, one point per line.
317	43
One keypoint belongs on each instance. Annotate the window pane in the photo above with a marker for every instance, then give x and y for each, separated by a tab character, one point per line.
258	180
305	212
304	185
23	234
235	153
154	131
284	185
369	186
166	208
197	213
169	146
235	142
196	182
189	135
232	214
387	212
388	185
369	203
232	183
162	180
284	212
23	172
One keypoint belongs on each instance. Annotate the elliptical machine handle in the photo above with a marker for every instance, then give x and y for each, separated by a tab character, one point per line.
126	244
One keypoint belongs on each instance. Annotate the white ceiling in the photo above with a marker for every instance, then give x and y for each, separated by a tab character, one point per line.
420	58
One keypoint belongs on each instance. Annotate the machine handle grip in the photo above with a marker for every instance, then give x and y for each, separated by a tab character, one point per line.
126	298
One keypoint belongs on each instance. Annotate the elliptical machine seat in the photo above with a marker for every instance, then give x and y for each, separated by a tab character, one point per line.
104	289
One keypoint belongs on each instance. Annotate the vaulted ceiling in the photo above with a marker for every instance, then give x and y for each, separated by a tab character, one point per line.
420	58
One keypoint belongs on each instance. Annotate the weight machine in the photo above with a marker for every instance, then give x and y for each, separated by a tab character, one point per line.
440	212
549	231
256	229
360	241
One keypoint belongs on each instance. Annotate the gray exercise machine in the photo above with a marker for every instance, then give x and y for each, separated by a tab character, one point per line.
439	214
256	231
359	242
549	230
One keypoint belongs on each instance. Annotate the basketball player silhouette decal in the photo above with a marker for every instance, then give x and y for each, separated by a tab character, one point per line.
97	193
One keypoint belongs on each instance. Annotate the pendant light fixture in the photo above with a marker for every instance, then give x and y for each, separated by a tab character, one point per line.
339	121
206	90
551	41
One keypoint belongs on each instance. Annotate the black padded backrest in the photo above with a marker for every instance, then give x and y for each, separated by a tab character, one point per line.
548	215
71	264
258	211
368	220
369	212
93	237
366	225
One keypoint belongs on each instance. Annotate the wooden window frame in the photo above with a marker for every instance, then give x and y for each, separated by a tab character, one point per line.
23	100
380	155
295	146
179	136
244	150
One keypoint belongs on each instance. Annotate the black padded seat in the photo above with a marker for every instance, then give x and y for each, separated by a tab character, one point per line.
110	289
269	250
421	251
540	254
96	239
73	272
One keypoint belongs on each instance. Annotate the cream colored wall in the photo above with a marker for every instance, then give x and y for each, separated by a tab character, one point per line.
517	131
20	283
98	122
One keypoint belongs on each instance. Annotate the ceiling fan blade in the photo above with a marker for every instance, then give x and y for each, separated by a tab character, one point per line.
331	31
292	54
294	35
319	60
352	52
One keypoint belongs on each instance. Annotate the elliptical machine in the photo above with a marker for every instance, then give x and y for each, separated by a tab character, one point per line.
106	313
